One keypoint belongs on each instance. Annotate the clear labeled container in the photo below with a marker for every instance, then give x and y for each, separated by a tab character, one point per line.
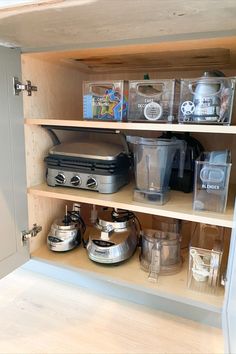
160	253
207	100
212	172
151	101
153	160
205	257
105	100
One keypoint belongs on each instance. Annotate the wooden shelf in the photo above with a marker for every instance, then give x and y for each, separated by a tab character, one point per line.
135	126
129	274
179	206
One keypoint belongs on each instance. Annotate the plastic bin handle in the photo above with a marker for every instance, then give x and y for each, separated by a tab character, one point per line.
103	86
212	174
182	150
148	89
155	265
203	227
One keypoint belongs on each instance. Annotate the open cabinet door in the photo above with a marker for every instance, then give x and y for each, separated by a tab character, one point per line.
229	313
13	193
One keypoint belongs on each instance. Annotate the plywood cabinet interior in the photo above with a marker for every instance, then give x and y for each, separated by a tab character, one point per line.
58	101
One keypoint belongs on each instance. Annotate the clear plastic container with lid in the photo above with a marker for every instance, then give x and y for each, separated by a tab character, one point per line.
205	257
151	101
212	172
207	100
153	160
105	100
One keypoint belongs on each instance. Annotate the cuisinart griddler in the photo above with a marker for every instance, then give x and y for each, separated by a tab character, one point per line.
98	166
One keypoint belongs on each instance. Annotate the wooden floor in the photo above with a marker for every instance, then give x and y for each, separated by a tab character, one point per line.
41	315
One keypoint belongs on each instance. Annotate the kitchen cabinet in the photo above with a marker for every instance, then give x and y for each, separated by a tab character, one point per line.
14	215
57	104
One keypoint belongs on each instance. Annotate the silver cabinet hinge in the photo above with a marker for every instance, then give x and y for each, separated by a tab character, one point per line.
223	279
19	87
27	234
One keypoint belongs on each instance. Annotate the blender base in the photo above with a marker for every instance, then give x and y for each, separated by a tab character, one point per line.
153	197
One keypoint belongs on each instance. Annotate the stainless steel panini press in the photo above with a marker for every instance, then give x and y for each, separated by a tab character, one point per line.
98	166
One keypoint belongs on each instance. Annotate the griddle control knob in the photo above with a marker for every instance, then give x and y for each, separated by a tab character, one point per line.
91	183
60	178
75	181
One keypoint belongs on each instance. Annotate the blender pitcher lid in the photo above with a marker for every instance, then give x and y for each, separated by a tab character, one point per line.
153	141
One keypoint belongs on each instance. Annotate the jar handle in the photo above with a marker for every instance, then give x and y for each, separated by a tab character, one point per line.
182	151
155	265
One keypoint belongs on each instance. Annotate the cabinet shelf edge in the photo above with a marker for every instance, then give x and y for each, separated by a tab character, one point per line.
117	201
215	129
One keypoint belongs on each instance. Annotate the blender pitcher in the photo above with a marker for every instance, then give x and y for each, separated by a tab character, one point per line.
153	160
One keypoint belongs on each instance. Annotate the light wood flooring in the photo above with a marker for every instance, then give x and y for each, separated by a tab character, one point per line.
41	315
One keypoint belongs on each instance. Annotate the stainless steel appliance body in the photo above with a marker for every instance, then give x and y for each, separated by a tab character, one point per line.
112	242
101	167
63	237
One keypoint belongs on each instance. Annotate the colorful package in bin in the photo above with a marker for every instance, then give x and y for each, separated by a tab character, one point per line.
105	100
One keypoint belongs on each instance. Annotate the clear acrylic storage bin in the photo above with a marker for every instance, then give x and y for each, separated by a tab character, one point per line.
105	100
151	101
212	172
205	256
207	100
